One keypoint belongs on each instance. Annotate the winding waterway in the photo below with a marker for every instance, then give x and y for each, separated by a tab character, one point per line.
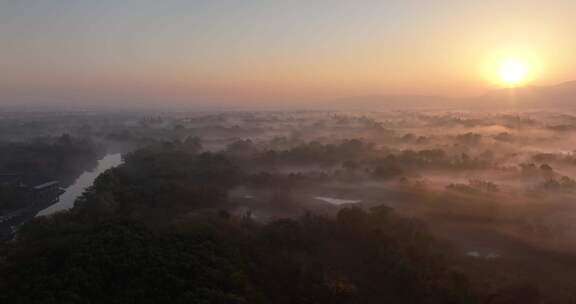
84	181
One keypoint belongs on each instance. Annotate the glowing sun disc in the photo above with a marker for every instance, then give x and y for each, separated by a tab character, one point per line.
513	72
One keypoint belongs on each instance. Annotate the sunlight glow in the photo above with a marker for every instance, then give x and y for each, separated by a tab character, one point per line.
513	72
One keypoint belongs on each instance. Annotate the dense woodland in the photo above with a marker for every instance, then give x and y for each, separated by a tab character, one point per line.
158	229
230	208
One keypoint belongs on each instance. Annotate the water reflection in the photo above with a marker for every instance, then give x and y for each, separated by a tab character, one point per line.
84	181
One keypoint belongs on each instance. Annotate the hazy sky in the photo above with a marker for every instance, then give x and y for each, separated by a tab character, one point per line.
270	51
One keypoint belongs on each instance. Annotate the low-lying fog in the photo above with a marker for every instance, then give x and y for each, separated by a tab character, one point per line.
498	186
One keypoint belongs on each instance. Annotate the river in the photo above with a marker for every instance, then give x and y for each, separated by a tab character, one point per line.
85	180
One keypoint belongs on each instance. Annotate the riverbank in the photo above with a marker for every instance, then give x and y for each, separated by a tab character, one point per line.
10	222
84	181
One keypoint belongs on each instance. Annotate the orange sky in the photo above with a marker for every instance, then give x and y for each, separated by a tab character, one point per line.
262	51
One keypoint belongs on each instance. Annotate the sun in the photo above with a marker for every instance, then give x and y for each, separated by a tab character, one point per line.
513	72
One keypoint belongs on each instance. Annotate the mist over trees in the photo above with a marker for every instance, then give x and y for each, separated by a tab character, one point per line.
299	207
